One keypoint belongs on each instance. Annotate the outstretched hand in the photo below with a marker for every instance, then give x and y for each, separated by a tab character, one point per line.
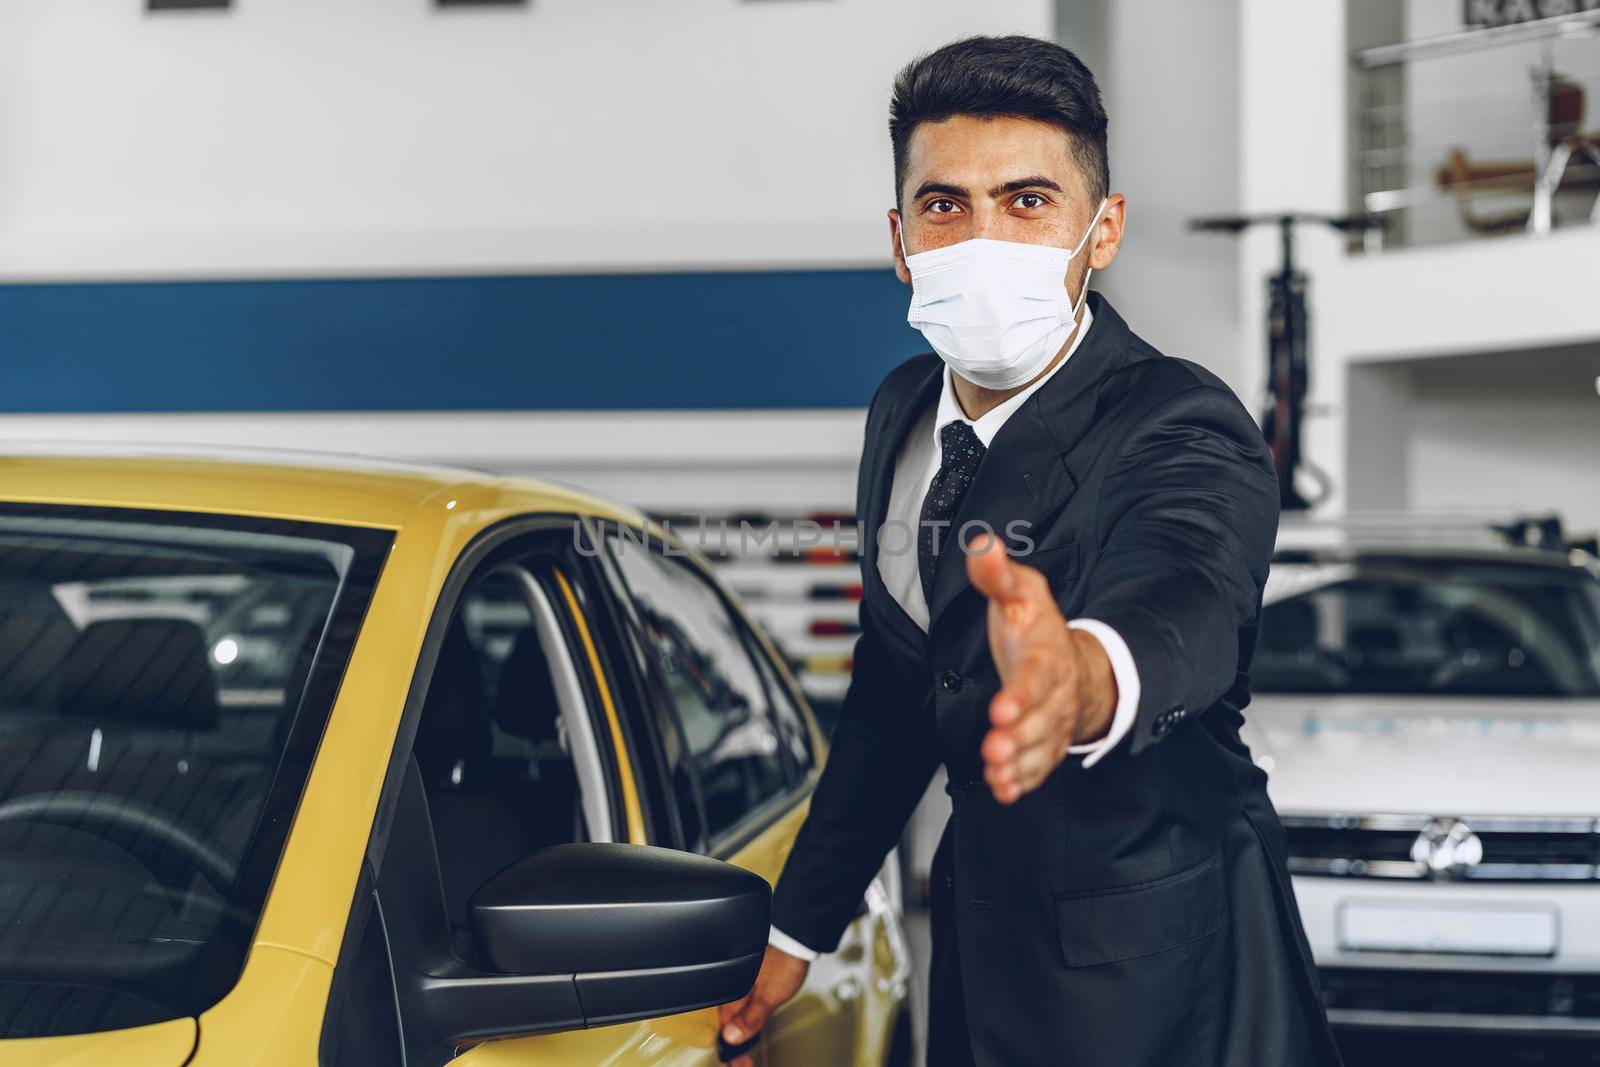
1057	688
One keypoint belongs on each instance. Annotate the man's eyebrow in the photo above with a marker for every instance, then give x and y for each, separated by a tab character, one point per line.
1037	181
938	187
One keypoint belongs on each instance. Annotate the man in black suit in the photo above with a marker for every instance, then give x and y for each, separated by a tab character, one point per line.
1111	887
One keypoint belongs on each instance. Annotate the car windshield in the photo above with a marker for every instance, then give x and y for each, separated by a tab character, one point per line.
164	680
1410	626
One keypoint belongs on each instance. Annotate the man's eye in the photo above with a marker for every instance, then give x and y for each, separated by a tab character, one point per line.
943	206
1029	201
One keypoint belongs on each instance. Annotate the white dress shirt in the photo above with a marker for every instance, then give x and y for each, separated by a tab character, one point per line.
914	470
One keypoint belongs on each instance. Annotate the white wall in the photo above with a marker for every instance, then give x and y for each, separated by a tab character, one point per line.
1517	432
1523	446
1170	78
382	136
339	137
1292	157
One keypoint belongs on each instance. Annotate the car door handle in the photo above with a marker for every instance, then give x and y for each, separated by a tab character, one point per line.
727	1053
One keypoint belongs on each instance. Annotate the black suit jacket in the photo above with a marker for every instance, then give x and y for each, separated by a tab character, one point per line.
1138	912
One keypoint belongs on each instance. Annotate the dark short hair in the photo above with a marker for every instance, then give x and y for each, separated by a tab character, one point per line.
995	77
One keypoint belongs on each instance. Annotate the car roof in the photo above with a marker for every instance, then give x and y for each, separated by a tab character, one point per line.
1437	554
350	490
1399	535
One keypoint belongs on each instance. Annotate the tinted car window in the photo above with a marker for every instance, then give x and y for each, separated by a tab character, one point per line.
1422	626
715	687
151	676
492	745
785	712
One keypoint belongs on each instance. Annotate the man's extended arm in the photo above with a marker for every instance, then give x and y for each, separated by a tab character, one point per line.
1188	516
1187	523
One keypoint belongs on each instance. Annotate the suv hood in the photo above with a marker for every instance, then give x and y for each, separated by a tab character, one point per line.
1425	755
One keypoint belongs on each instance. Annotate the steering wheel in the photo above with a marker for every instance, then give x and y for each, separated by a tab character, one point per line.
170	855
144	824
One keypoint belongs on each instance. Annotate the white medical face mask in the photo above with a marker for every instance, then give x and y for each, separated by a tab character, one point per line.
996	312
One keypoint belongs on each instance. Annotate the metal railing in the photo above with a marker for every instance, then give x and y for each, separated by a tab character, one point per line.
1480	133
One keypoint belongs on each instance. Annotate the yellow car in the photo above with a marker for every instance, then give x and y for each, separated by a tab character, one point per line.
314	762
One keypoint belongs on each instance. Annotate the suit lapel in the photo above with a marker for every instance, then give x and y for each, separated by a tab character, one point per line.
900	414
1025	477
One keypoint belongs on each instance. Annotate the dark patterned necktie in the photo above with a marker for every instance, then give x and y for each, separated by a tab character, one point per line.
960	452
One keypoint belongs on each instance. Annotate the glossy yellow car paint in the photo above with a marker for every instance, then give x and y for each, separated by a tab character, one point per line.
273	1015
168	1042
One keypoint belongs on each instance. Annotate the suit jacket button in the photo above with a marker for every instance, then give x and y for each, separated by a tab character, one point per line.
950	682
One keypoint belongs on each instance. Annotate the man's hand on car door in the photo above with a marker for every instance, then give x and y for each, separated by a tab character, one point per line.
781	977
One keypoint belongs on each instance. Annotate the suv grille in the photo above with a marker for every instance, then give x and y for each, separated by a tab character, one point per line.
1569	996
1488	848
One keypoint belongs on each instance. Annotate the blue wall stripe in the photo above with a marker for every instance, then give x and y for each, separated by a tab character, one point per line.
771	339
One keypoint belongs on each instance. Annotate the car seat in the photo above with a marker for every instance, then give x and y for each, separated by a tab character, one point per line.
538	767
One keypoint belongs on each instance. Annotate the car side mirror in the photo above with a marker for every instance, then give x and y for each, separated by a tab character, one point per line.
617	932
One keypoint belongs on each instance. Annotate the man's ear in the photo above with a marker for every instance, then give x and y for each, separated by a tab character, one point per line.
901	271
1108	232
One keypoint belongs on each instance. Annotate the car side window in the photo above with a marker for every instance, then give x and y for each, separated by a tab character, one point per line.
701	654
791	721
494	742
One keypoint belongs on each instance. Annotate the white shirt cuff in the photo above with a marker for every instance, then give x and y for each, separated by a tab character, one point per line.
784	943
1126	673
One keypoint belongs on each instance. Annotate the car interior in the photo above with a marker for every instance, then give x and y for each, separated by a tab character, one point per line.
1465	631
1288	650
492	745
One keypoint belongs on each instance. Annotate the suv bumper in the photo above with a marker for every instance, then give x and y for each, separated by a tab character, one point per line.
1551	995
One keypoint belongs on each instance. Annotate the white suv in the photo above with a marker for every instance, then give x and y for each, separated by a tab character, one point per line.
1429	720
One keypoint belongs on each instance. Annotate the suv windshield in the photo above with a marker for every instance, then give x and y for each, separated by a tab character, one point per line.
1408	626
164	680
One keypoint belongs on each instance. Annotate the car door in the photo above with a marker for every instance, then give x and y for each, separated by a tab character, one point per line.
736	762
544	585
512	755
686	1040
514	738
